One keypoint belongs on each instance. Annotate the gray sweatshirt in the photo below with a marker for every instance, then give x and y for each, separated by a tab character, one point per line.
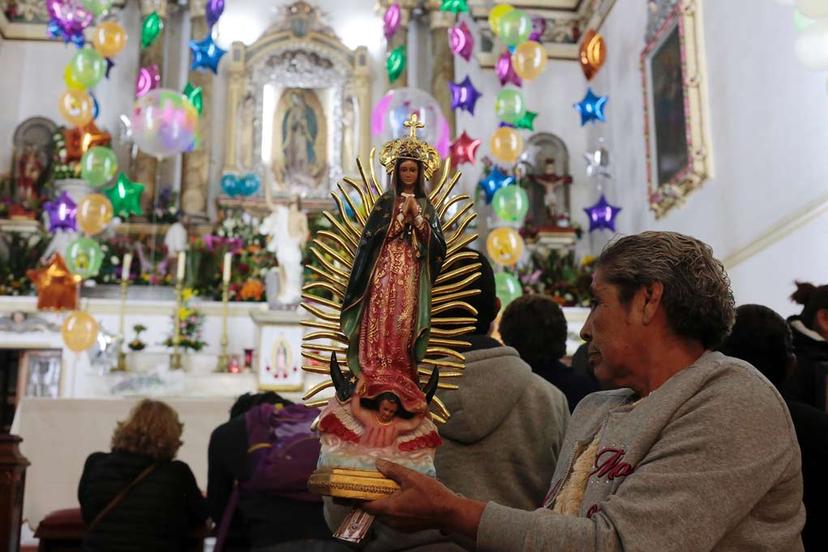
708	461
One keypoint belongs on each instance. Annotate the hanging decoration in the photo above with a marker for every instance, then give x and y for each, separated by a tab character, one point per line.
213	11
494	181
496	14
98	166
150	29
511	203
76	107
464	150
109	39
591	108
79	331
94	213
514	27
507	288
230	184
195	95
527	122
598	161
391	20
510	105
504	70
87	67
504	245
68	19
395	63
506	144
464	95
164	123
57	287
538	28
125	196
602	215
461	40
592	54
148	79
84	257
454	6
529	60
62	213
206	54
397	105
97	7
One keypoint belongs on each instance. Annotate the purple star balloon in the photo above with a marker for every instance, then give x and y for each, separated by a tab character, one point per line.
71	17
61	212
463	95
148	79
494	181
206	54
505	71
391	20
213	11
538	28
461	40
602	215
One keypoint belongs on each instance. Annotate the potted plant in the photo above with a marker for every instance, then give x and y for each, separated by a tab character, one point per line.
136	344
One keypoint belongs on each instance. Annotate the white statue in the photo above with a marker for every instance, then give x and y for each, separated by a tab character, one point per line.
175	239
287	228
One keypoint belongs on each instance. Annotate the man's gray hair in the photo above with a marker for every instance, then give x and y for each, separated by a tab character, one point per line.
697	296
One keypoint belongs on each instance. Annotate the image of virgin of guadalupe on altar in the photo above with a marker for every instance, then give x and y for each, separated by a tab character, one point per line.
390	274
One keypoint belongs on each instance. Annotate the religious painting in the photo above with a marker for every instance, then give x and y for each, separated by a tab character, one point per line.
299	139
39	374
280	361
671	65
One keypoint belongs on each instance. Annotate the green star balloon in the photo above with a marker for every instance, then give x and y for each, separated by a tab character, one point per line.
152	27
395	64
527	121
454	6
125	196
194	94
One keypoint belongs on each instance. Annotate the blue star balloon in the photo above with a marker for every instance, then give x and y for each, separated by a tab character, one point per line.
463	95
602	215
591	107
495	181
206	54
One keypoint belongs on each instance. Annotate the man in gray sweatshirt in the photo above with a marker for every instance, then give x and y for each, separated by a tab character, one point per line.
695	452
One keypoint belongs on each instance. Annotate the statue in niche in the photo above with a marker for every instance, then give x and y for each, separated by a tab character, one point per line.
287	231
29	169
299	143
245	123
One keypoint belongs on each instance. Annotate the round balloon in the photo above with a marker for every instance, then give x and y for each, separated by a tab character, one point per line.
88	67
98	166
397	105
109	38
506	144
76	107
230	184
84	257
79	331
496	14
94	213
514	28
504	245
249	184
69	79
164	123
814	9
97	7
511	203
510	105
529	59
507	288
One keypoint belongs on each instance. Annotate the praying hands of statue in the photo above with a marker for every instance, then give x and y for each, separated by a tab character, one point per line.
410	208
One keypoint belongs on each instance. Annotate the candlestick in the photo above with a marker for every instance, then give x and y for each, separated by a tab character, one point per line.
121	366
228	259
179	273
125	268
175	358
223	360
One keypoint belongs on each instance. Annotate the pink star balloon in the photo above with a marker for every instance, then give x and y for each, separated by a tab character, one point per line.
461	40
464	149
148	79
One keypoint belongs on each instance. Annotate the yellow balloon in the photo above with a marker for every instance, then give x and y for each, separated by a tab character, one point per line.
69	79
94	213
109	38
79	331
504	245
76	107
506	144
496	13
529	59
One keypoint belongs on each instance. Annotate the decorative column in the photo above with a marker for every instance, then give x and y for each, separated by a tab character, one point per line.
235	88
400	38
442	68
144	167
362	90
195	166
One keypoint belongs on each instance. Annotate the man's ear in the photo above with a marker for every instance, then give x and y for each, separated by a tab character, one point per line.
652	294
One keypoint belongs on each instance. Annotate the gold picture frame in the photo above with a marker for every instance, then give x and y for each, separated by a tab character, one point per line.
675	109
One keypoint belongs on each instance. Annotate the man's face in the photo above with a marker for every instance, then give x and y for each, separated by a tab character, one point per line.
614	335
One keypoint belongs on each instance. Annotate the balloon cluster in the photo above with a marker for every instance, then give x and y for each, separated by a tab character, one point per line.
395	61
240	185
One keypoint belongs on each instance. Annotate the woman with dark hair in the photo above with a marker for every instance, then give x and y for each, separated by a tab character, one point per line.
810	338
137	497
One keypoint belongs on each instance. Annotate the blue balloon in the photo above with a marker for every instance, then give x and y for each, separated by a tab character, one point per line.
249	184
230	184
96	108
591	107
495	181
206	54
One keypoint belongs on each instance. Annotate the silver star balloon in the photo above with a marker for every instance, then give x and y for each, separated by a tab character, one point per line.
104	352
598	161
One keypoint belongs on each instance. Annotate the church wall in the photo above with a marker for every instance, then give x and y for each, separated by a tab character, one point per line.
767	126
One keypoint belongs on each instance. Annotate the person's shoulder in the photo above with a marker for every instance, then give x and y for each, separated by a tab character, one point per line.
179	469
95	458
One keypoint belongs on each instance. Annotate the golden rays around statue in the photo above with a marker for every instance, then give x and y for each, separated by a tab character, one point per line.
390	311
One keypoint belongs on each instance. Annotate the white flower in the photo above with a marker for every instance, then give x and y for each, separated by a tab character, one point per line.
114	260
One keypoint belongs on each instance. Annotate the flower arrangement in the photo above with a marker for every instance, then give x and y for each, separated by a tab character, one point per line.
18	253
190	321
558	275
136	344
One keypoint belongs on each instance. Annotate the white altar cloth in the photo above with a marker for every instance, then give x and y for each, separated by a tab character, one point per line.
59	434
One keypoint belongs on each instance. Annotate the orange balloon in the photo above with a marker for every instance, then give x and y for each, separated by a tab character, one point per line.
76	107
94	213
506	144
529	59
57	287
79	331
504	245
593	53
109	38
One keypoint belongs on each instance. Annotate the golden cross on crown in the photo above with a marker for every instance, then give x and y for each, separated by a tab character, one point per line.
413	123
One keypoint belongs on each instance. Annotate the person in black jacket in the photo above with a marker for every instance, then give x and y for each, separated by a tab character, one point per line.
536	327
810	339
761	337
162	508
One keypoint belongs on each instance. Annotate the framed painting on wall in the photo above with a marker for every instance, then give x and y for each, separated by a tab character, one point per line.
675	111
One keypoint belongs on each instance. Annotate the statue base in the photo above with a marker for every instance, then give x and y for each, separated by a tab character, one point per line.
354	484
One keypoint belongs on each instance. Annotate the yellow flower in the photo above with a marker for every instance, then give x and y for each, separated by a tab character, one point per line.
587	260
187	294
184	313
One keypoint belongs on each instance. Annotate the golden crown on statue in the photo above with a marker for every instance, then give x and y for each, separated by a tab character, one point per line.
410	147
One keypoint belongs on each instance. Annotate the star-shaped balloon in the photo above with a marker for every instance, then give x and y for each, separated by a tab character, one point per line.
79	140
602	215
148	79
213	11
206	54
494	181
125	196
150	29
598	162
194	94
591	107
464	95
454	6
527	122
395	63
62	212
57	287
461	40
538	28
505	71
464	150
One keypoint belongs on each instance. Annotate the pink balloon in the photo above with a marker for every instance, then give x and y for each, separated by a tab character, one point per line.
148	79
378	114
391	20
505	71
461	40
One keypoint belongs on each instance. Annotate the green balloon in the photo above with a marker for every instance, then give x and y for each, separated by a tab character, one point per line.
125	197
87	67
84	257
527	122
510	105
507	287
802	22
97	7
395	64
98	166
152	27
194	94
514	28
511	203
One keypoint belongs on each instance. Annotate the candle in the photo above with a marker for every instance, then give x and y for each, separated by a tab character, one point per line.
228	257
179	273
125	268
